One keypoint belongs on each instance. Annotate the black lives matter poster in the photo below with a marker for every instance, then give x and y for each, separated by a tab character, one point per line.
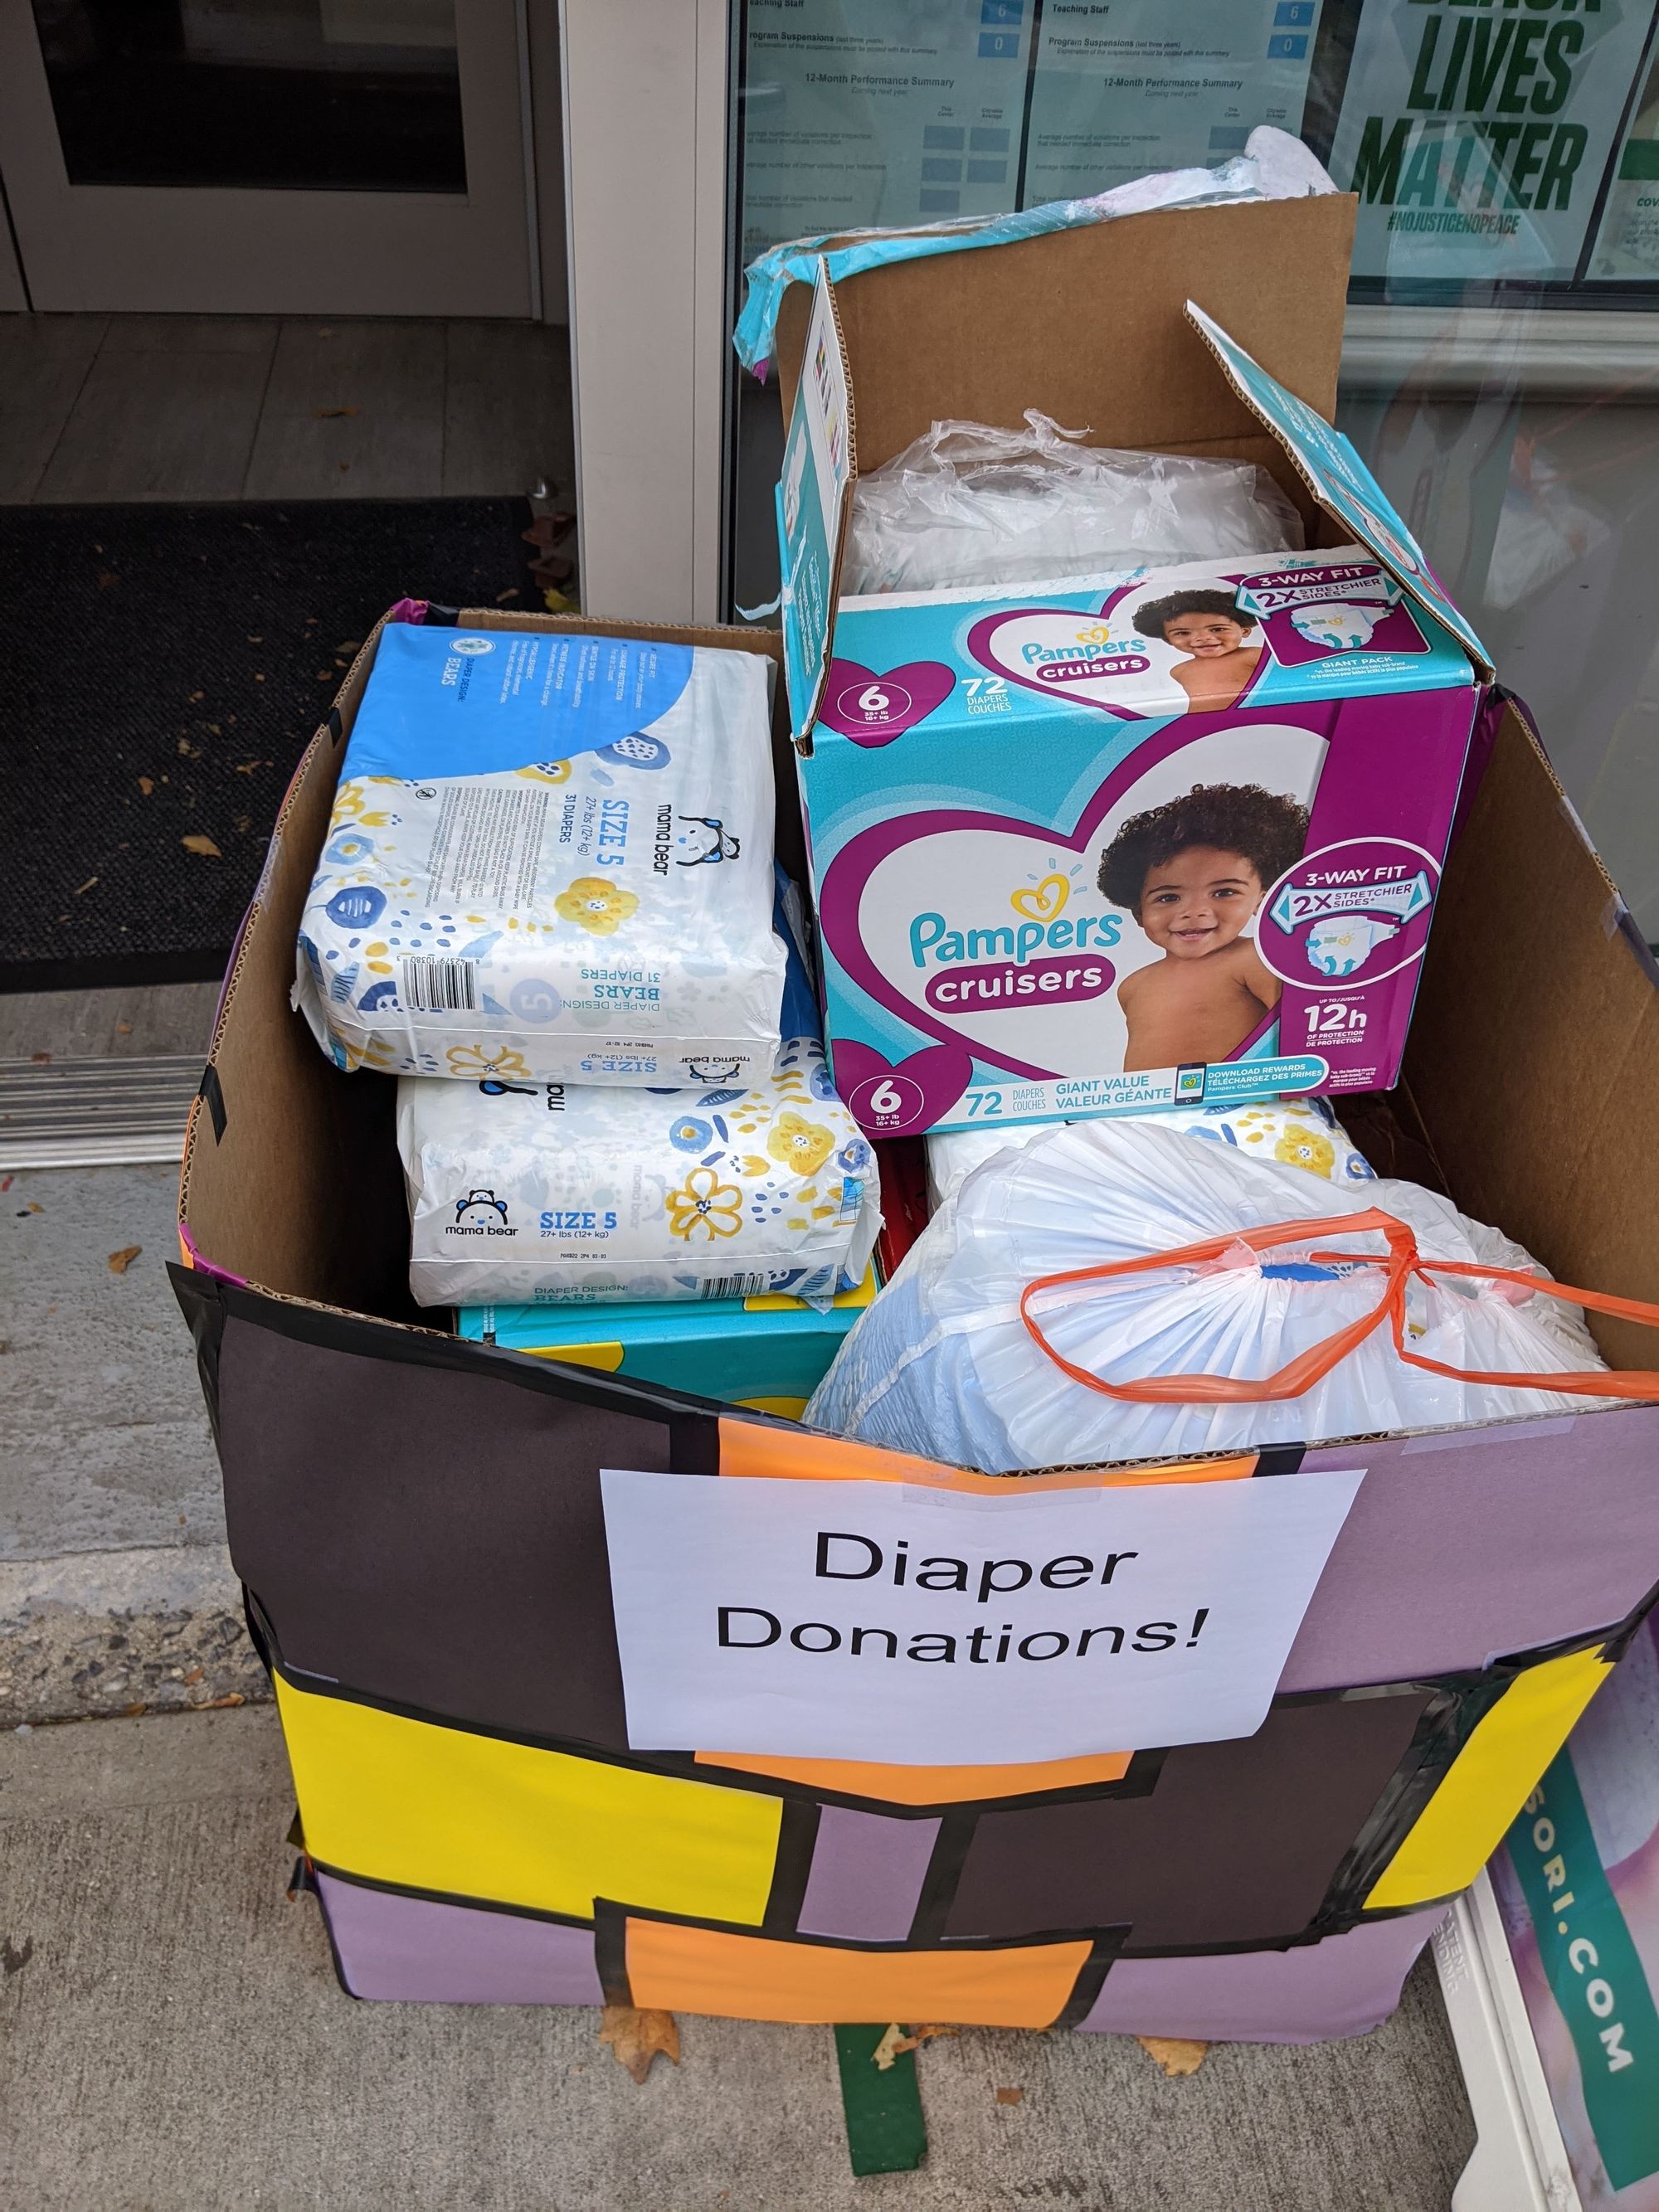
1477	132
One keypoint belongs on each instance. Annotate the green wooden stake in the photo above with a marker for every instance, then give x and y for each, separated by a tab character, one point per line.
885	2132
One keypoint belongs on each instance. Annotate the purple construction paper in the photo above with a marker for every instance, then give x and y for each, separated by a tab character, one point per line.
866	1876
414	1950
1345	1985
1463	1547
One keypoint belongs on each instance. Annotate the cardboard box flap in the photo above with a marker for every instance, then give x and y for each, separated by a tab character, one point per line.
1088	326
815	498
1339	480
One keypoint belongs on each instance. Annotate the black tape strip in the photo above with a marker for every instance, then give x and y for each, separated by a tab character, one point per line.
334	726
295	1837
939	1884
610	1950
204	1310
444	614
1446	1725
1280	1459
1092	1975
694	1443
797	1835
212	1093
301	1881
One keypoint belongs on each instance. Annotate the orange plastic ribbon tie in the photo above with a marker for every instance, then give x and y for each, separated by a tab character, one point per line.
1298	1376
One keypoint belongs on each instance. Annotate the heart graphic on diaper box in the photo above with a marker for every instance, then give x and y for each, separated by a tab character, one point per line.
1064	653
873	709
886	1101
990	935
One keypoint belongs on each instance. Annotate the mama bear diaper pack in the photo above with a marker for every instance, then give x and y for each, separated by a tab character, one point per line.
529	1193
1098	844
549	860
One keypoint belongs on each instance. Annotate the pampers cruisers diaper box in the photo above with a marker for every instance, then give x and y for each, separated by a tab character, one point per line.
1125	841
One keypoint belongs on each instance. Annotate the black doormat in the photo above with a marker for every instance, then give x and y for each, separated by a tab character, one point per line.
166	667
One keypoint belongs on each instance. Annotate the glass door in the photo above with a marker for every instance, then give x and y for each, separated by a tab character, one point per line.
267	156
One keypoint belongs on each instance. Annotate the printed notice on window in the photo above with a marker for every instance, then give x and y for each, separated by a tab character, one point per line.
1122	91
1477	138
1627	247
888	111
887	1621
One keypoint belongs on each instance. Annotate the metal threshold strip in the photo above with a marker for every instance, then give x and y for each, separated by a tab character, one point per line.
95	1112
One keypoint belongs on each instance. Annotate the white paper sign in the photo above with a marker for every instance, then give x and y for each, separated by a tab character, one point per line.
872	1620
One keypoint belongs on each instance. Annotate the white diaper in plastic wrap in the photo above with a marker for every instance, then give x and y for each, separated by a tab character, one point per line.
531	1193
1304	1133
1342	942
549	860
1339	626
942	1364
970	505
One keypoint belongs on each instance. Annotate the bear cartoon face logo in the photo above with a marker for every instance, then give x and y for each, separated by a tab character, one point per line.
711	1071
477	1205
708	842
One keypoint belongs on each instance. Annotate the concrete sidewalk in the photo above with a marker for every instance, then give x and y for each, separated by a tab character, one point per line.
173	2037
116	1588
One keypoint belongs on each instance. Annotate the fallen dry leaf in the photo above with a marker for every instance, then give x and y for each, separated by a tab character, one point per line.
146	784
1011	2096
328	414
199	695
350	645
189	751
194	1675
38	1059
218	1705
198	843
124	1028
501	597
257	641
896	2041
246	768
918	2036
636	2036
118	1263
85	886
1174	2053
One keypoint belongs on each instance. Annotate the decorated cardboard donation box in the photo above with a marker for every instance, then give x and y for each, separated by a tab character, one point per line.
596	1687
1111	842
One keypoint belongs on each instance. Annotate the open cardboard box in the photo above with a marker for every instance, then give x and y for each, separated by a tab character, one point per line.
419	1524
971	754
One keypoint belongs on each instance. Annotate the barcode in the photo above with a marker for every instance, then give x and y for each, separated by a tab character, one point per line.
433	985
734	1286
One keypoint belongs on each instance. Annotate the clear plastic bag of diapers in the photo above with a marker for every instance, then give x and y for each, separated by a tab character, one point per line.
526	1192
1304	1133
1115	1291
549	860
970	505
